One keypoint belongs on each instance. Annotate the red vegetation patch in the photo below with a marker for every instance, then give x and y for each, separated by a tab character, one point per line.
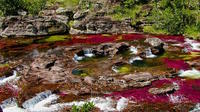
169	38
188	92
7	91
133	36
177	64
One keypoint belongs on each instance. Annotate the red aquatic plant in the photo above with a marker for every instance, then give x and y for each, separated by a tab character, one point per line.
188	92
7	91
4	69
177	64
170	38
133	36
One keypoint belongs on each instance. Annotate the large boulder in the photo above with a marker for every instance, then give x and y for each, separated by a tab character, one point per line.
99	25
157	45
34	26
154	41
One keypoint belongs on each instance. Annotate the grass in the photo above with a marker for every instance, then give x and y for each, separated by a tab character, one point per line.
152	30
87	107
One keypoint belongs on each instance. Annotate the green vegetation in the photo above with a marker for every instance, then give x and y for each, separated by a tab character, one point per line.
55	38
87	107
11	7
4	65
34	6
176	17
124	13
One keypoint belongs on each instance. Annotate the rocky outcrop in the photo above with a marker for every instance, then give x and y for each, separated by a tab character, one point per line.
100	25
34	26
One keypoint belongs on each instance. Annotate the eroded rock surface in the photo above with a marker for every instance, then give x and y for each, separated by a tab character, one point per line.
34	26
164	89
101	25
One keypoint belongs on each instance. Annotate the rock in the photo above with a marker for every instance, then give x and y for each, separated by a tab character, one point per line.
139	84
98	6
34	26
1	59
65	11
101	25
154	41
164	89
80	14
143	76
47	12
89	80
194	63
158	50
110	49
22	13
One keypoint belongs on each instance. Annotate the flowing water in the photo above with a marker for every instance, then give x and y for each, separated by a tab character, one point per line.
71	60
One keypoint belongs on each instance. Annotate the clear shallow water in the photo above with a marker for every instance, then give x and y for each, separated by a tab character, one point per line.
187	51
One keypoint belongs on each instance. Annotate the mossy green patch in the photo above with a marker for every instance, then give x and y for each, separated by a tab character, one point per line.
4	65
55	38
190	56
26	41
84	75
124	69
79	72
71	23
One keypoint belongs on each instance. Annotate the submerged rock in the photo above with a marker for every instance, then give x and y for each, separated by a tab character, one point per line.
136	61
121	67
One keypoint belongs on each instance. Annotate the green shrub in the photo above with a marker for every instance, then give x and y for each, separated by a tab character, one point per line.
85	108
153	30
34	6
193	32
124	13
132	3
11	7
174	16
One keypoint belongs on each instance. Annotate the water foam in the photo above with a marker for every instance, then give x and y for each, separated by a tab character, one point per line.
12	78
193	74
